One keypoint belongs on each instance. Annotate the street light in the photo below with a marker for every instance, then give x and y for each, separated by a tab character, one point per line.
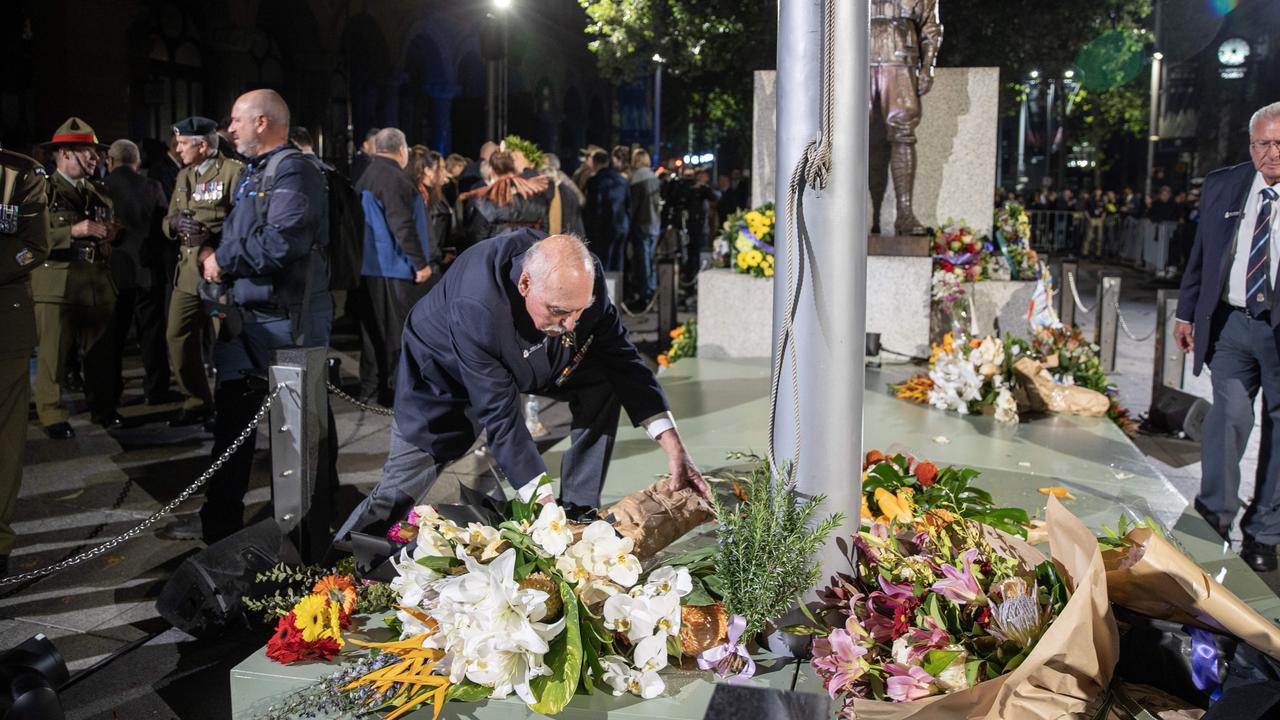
1069	74
658	62
502	4
1035	74
496	85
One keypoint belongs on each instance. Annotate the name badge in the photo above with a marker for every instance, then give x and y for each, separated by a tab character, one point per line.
8	219
24	257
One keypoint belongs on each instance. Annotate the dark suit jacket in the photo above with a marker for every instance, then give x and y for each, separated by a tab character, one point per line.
1204	282
137	259
605	216
470	348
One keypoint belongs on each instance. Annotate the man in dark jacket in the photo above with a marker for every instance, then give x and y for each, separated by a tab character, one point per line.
137	265
397	256
1228	317
271	269
605	216
517	314
646	223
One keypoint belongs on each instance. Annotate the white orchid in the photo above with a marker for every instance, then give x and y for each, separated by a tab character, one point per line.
483	541
669	579
633	616
552	531
651	653
623	678
667	608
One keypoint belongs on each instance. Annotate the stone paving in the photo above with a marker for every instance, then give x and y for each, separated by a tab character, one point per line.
79	493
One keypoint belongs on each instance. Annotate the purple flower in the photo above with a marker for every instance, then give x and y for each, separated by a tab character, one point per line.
889	612
961	587
838	658
907	684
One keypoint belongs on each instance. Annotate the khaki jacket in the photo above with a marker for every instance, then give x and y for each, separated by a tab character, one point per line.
24	243
62	278
208	196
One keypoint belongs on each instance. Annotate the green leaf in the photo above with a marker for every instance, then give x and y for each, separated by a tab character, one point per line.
554	691
971	668
715	585
467	691
935	661
437	562
803	630
698	595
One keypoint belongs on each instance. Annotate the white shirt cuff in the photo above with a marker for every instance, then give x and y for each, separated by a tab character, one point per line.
658	424
1184	322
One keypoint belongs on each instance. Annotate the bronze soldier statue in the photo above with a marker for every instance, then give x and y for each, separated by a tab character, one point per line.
905	35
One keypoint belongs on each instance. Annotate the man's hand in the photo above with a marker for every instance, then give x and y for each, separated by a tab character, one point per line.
924	82
89	229
1184	336
209	263
193	229
684	473
422	275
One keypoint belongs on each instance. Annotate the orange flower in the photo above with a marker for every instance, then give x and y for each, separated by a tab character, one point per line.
926	473
340	589
873	457
677	333
662	360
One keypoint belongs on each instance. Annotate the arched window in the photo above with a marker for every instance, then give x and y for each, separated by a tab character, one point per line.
174	87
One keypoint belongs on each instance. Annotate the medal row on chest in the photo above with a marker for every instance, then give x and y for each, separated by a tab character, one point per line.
210	191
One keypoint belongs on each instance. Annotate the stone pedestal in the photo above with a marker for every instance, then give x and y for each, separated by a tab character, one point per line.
764	157
1006	301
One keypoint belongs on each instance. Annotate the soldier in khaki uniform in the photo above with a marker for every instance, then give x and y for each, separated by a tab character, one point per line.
201	199
74	294
24	233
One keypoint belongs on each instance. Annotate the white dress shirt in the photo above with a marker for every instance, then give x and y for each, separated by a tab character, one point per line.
1236	278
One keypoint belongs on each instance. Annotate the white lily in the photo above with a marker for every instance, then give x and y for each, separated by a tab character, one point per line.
483	541
551	530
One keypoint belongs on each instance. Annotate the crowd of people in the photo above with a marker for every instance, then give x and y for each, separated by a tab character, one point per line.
1151	232
225	245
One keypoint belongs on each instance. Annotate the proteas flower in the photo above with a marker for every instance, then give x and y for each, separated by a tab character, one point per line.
1018	617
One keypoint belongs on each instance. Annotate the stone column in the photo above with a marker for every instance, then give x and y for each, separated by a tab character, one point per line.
442	95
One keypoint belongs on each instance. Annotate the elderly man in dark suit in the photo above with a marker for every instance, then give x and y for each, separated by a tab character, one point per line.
1227	317
517	314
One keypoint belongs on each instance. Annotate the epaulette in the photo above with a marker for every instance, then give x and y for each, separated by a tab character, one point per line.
19	161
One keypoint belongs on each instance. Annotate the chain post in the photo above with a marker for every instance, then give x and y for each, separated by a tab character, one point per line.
1170	361
1107	319
1066	303
668	265
299	420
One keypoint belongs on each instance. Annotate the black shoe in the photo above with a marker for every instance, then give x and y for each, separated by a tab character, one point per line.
109	421
186	418
1215	522
4	566
1259	556
183	528
59	431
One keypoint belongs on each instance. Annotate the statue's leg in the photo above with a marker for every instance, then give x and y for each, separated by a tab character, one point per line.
902	117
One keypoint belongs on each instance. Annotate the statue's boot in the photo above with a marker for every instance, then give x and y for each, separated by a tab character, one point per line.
903	165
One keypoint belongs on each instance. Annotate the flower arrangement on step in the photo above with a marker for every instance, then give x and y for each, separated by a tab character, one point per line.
684	343
1072	360
959	250
746	242
1013	239
278	590
899	489
966	377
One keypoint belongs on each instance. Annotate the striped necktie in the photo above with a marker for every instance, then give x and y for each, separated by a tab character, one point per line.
1258	299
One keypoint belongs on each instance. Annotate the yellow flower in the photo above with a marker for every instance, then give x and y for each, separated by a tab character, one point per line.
318	618
896	507
742	261
768	271
754	258
742	243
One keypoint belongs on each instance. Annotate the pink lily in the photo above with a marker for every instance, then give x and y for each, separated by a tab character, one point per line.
889	611
929	637
838	658
907	684
961	587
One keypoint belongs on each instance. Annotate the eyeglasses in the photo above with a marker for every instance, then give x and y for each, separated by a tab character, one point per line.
1265	146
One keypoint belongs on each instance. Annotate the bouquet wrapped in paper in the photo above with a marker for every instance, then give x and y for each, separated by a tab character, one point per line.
655	517
1045	395
1147	574
961	621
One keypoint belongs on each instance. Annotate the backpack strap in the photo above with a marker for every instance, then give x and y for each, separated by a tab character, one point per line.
269	179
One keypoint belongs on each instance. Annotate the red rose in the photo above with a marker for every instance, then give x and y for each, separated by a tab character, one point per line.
926	473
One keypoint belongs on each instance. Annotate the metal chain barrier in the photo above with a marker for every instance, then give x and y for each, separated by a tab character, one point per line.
375	409
1124	325
628	312
249	429
1071	281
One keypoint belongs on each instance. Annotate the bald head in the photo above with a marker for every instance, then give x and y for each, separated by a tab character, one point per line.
259	122
557	281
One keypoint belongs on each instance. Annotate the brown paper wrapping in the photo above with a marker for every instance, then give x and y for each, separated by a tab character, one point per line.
1043	394
1155	579
1072	663
654	517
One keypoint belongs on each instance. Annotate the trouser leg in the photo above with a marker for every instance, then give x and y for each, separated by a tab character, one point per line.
184	334
101	371
223	510
149	315
15	391
406	477
595	409
371	341
53	325
1235	377
121	322
1261	520
399	299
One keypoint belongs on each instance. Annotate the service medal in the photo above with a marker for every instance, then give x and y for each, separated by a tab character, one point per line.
8	219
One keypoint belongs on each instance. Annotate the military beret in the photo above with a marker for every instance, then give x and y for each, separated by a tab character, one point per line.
195	127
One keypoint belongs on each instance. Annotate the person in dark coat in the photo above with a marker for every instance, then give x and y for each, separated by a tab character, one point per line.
511	202
397	257
1228	318
605	216
517	314
137	266
360	162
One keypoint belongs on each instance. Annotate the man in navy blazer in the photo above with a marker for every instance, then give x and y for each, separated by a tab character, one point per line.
1227	316
515	314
